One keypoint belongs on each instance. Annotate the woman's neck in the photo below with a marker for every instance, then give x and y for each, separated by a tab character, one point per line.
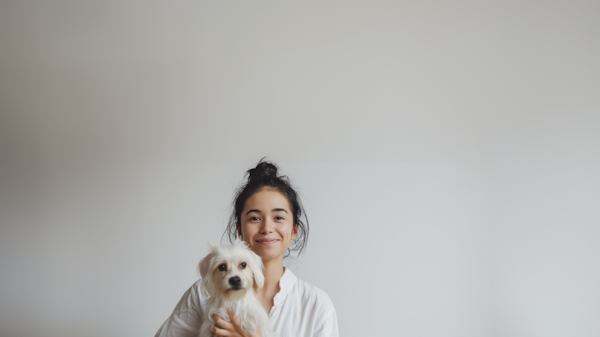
273	270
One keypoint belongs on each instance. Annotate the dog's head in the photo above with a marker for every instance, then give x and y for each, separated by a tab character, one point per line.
230	271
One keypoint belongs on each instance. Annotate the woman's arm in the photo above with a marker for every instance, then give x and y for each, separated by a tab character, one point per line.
186	319
328	326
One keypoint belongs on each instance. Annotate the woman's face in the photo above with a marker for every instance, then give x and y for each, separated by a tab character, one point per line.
268	224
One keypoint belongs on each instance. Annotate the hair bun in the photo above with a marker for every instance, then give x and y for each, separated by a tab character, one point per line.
262	170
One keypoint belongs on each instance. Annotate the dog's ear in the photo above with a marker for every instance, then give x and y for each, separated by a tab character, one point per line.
205	267
256	266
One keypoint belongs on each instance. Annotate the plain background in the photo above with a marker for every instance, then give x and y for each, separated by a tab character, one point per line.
447	154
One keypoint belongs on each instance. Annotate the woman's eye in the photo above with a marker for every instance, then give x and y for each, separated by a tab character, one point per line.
243	265
253	218
279	218
223	267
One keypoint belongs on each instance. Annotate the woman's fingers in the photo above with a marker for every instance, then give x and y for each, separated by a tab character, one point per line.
233	319
222	323
221	332
236	325
231	328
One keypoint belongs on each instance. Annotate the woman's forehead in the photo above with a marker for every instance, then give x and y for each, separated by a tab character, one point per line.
266	201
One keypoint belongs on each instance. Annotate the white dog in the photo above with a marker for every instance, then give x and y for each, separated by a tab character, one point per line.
228	275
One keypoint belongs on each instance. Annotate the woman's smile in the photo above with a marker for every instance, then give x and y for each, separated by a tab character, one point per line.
267	242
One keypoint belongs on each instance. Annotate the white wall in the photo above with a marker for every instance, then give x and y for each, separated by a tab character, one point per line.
447	153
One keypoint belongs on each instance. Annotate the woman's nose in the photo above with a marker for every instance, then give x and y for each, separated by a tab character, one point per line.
267	226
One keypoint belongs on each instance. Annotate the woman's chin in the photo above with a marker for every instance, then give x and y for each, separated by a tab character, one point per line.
268	255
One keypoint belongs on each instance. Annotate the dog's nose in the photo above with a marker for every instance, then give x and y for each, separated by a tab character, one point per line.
235	281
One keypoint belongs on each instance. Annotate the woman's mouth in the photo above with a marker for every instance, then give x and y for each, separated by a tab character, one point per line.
266	241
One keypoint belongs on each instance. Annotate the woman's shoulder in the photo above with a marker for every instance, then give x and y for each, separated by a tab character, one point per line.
196	289
194	296
311	290
311	295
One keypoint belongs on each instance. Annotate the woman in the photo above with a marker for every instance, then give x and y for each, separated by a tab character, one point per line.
266	215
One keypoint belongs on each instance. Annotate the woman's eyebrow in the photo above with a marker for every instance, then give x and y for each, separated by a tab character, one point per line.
273	210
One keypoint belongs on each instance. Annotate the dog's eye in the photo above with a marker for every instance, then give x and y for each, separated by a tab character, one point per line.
223	267
243	265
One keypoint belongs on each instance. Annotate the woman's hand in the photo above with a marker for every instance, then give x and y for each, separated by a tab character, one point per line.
231	328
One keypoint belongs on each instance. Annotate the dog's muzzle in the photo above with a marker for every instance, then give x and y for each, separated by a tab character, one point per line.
235	282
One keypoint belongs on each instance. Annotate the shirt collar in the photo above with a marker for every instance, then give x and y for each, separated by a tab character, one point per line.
286	282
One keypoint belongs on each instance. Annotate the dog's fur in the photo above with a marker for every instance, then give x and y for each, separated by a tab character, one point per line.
226	293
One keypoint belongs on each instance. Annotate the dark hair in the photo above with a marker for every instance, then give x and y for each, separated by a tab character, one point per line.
264	175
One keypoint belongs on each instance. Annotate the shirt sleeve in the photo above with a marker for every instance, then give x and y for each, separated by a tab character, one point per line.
186	319
328	327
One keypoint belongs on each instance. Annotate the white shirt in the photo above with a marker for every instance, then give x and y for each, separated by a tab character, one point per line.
299	310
